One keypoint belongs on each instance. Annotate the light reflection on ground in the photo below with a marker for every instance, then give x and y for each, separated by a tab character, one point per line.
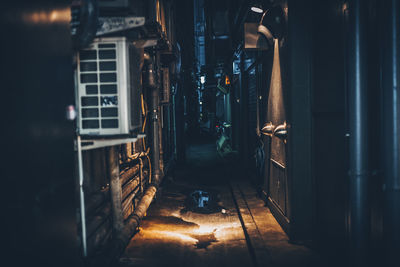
200	234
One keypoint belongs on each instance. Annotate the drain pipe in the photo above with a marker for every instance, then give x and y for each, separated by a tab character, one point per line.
359	219
391	129
121	240
151	82
115	190
155	102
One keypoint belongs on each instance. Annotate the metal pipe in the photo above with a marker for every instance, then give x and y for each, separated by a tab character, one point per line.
359	220
97	238
130	191
131	224
160	141
98	219
152	10
133	183
96	201
129	174
391	128
128	206
115	190
141	175
143	205
130	186
155	101
81	197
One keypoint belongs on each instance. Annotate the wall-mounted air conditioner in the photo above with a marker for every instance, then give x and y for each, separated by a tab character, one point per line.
108	88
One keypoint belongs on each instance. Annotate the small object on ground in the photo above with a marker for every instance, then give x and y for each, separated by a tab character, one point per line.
200	201
201	198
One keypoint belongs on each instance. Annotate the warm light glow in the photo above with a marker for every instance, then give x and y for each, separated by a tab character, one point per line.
219	229
345	7
205	230
285	10
227	81
174	235
191	234
43	17
256	9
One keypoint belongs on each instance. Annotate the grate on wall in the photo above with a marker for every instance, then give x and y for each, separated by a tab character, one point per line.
99	87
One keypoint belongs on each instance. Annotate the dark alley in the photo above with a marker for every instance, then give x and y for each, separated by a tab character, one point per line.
182	234
201	133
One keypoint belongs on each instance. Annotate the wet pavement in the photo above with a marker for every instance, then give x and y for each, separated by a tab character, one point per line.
205	216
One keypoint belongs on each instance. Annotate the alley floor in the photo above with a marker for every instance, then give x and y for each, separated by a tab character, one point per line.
233	228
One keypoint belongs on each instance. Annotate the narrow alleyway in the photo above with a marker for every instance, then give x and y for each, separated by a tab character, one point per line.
200	133
233	229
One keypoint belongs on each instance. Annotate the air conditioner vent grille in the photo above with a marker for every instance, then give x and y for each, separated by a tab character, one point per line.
98	68
109	88
92	89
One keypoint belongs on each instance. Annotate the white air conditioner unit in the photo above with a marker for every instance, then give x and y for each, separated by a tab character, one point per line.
108	88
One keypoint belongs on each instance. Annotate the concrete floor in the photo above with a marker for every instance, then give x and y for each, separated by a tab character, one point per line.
238	230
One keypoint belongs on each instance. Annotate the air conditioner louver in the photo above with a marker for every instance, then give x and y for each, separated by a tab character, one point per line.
108	92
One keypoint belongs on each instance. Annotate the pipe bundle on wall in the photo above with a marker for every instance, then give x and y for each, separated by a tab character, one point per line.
129	186
120	241
99	208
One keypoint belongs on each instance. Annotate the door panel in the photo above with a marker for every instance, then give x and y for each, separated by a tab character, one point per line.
274	183
278	186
